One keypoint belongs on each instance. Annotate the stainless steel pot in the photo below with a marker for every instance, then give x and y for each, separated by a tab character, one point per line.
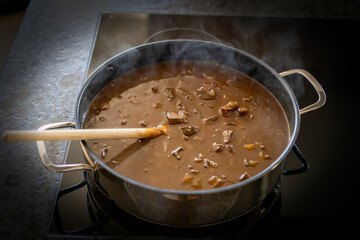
185	208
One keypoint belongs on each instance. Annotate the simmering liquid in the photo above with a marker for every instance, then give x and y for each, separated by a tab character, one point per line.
224	127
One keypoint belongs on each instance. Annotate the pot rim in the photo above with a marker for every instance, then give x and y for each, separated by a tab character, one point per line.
235	186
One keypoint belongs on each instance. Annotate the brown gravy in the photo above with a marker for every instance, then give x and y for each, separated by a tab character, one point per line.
224	127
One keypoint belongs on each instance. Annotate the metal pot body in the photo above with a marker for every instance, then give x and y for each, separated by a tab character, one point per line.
186	208
176	208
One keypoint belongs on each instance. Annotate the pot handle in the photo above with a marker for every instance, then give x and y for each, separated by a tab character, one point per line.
59	167
320	91
304	163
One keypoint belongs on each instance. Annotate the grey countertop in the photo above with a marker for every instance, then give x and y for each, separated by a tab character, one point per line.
43	74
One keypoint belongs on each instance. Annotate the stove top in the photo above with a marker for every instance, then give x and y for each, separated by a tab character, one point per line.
308	203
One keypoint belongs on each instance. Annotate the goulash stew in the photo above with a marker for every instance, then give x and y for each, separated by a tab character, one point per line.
224	127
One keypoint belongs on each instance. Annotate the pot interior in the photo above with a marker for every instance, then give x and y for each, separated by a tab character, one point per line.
191	50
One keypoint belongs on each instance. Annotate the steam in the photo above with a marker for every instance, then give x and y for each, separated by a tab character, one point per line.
277	46
117	32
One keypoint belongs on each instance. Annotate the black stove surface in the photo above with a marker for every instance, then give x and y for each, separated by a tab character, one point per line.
320	202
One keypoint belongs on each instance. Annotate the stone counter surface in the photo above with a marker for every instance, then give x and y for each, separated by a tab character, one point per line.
44	72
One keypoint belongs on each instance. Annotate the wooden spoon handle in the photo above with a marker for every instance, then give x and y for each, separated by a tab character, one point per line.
81	134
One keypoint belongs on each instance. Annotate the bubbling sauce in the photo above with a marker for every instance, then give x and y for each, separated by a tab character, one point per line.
224	127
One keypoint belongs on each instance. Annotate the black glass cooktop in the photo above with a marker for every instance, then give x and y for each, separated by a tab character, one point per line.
319	202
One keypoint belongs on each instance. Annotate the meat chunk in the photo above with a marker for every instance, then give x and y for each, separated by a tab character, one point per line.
188	130
183	93
188	178
230	148
206	92
143	123
200	158
244	176
176	154
227	109
228	136
103	152
209	163
215	181
169	92
174	118
249	146
208	95
251	163
264	156
218	147
242	111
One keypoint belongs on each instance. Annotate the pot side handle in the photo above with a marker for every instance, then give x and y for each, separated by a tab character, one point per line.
59	167
318	88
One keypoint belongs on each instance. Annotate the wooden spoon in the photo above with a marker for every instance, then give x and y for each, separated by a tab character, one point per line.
82	134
